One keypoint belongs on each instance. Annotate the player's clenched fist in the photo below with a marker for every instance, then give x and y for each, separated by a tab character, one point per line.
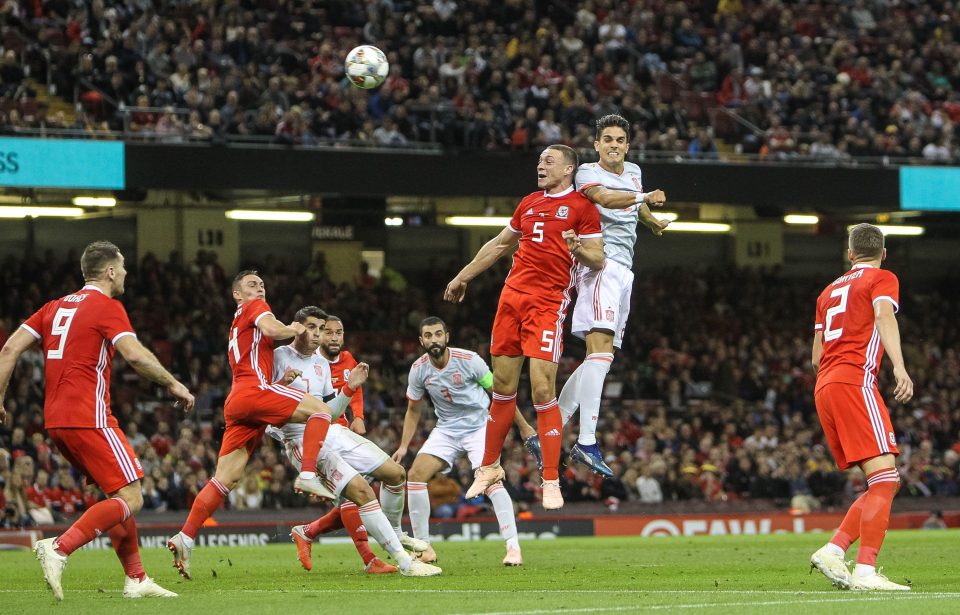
573	242
656	198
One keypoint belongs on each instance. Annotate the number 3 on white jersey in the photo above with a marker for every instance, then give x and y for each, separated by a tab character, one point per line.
832	334
538	232
61	327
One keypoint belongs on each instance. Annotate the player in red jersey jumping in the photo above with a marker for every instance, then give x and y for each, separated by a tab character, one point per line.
555	227
253	403
855	322
79	333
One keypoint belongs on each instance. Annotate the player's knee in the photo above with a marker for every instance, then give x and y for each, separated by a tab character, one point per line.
360	492
418	475
393	474
133	498
542	392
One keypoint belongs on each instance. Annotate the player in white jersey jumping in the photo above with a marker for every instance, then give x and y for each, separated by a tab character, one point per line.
457	382
603	296
345	456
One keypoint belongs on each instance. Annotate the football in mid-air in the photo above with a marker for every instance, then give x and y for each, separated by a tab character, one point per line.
366	66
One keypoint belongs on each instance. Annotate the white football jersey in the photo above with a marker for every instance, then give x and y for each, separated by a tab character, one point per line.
619	225
314	379
459	401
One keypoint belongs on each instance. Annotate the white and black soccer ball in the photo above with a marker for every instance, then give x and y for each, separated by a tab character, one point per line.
366	66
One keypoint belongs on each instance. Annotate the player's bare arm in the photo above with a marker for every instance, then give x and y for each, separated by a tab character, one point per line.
271	327
410	421
817	351
491	251
655	224
147	365
358	375
289	375
16	345
587	251
886	322
622	199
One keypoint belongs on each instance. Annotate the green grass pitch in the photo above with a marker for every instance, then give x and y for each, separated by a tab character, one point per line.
743	574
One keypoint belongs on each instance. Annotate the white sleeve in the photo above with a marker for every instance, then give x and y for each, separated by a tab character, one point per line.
479	367
587	176
415	389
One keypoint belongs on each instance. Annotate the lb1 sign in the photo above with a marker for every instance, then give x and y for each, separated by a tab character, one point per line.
62	163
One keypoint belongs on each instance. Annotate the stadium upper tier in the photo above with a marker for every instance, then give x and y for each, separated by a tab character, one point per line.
863	81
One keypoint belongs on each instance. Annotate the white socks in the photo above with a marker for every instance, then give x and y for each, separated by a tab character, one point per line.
418	503
308	475
503	507
569	399
595	368
379	527
864	570
391	500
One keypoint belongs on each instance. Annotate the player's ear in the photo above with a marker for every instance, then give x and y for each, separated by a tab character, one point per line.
883	255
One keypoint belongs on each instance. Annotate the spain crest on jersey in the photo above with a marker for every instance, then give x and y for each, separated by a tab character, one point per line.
457	379
318	370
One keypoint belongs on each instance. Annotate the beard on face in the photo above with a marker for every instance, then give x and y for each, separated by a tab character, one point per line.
436	350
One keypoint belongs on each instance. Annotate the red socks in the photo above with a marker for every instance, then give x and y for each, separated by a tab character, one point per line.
502	411
313	437
126	545
849	529
330	522
208	501
869	516
550	430
358	533
882	486
98	519
345	516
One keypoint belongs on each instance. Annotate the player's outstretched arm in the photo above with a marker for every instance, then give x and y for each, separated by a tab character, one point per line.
147	365
886	322
491	251
273	328
16	345
622	199
410	421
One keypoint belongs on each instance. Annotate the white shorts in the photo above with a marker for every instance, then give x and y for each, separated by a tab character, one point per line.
343	456
603	300
447	447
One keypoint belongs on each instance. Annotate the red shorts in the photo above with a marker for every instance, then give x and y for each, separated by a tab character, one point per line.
528	325
103	454
856	423
249	410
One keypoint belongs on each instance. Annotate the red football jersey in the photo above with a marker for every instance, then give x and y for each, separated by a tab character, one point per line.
250	352
78	333
543	264
339	373
852	350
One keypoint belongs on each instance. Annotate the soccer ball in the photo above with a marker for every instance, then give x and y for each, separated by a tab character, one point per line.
366	66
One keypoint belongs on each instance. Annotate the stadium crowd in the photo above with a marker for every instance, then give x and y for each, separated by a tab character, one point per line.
783	79
710	398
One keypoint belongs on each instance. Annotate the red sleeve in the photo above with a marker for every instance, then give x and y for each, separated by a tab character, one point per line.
34	324
113	323
588	221
255	310
818	318
356	402
886	287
